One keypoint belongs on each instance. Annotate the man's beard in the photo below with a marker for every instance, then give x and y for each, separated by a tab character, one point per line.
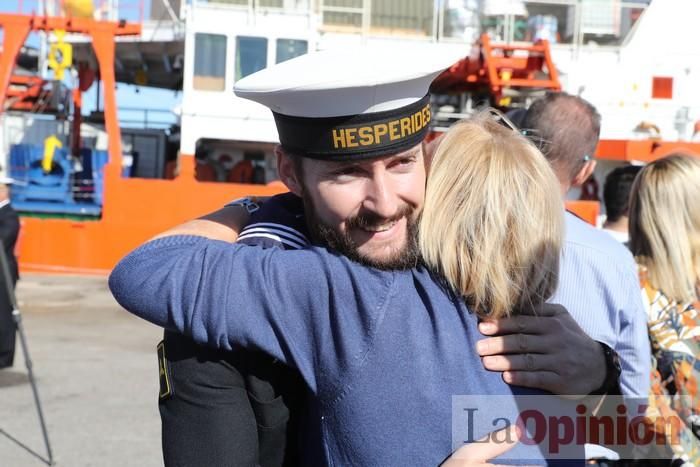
406	257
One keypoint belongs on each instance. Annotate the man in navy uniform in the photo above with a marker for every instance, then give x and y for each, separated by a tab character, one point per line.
213	415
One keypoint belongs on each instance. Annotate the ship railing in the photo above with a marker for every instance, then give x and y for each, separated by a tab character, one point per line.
146	118
106	10
254	6
115	10
568	24
257	8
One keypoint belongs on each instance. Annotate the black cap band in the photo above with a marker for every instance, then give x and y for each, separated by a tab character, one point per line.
356	136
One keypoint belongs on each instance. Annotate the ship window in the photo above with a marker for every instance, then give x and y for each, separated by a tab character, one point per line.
251	55
342	14
385	17
608	23
209	62
461	20
271	3
402	17
226	161
290	48
544	20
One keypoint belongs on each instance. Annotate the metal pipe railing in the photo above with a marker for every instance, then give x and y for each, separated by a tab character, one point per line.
111	10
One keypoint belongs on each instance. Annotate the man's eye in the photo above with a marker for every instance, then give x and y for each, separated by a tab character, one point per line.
347	171
405	161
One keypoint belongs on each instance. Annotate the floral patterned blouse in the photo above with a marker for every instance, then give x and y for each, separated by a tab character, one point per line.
674	332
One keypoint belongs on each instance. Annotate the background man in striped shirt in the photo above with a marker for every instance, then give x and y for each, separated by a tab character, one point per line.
598	282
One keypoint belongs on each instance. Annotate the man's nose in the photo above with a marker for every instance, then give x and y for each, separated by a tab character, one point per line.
380	197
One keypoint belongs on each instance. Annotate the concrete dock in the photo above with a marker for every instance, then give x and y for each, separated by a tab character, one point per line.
97	376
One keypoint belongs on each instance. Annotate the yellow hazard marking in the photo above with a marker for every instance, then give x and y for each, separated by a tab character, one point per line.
60	55
50	145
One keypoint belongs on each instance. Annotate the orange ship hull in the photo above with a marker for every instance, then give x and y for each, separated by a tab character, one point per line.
134	210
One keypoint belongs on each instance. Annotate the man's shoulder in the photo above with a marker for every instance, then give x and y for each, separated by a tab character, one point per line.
279	223
8	210
584	238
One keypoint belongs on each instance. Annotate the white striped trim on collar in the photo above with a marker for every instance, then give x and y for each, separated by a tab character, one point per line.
276	229
277	238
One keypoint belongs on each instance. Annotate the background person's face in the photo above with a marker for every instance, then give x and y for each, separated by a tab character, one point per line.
367	210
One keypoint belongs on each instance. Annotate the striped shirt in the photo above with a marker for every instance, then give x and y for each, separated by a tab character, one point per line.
599	286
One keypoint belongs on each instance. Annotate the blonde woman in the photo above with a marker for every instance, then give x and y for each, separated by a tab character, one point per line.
507	260
665	239
381	351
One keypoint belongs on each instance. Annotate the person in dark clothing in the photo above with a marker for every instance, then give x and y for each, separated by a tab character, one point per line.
223	408
9	231
616	195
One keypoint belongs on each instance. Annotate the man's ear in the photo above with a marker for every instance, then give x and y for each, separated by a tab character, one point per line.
584	174
429	150
287	171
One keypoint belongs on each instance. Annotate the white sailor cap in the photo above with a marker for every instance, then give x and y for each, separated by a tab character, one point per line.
352	103
6	180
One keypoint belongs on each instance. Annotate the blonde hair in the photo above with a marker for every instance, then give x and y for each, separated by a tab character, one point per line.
665	225
492	224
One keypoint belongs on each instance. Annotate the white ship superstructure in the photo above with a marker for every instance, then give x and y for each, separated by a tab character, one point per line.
635	60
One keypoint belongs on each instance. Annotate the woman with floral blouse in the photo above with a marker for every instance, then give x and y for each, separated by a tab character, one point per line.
665	239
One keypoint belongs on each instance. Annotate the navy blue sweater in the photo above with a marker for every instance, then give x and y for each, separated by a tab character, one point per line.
383	352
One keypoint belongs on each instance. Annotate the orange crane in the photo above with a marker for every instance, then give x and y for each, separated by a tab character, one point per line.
504	75
17	27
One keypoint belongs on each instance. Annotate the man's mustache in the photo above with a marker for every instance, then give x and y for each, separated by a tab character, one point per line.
370	219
